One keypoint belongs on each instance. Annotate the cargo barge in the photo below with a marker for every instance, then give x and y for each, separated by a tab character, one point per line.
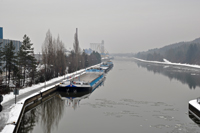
88	81
106	66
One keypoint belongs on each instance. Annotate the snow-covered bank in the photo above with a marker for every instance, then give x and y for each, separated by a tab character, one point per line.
7	97
166	62
15	113
15	109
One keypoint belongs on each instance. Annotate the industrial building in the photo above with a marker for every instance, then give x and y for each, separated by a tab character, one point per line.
16	44
1	33
3	42
99	47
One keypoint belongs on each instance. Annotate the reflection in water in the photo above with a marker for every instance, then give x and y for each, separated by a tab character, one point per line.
194	118
48	113
186	75
51	112
28	121
73	99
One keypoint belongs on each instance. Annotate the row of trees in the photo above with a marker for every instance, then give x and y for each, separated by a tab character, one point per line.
21	68
79	59
56	62
53	57
16	67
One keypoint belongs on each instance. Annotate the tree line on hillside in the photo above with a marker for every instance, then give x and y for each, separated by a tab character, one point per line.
184	52
21	69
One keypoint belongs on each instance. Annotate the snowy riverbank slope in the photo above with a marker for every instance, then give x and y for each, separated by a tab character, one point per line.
166	62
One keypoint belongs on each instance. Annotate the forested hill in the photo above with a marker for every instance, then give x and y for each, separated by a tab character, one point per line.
182	52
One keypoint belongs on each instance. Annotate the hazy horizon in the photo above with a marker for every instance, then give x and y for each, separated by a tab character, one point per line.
125	26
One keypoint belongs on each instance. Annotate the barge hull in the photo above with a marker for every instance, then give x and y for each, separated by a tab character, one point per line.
193	110
81	89
74	89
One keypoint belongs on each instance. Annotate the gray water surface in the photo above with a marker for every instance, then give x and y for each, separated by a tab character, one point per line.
135	97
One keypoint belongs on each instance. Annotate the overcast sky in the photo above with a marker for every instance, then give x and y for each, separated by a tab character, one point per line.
124	25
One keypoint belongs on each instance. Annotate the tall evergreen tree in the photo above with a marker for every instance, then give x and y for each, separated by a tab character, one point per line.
1	58
10	59
26	59
33	71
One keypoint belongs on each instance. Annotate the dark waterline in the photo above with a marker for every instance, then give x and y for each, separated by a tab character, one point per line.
135	97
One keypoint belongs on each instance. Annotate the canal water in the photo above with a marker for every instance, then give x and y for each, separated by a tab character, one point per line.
135	97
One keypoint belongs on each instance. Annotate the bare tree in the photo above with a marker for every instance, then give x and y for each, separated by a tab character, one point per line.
60	56
47	55
54	57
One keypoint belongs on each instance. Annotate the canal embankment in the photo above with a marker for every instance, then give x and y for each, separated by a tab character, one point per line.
16	110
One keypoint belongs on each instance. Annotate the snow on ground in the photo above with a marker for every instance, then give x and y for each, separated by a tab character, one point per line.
15	112
169	63
16	108
10	96
7	97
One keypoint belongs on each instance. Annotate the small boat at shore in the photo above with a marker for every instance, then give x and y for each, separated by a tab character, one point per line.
194	107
